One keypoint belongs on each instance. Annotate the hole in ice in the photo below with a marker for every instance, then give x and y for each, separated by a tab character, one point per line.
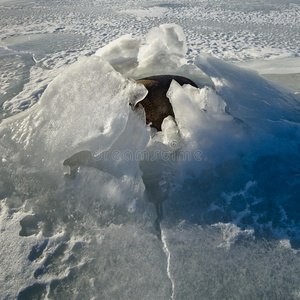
29	225
52	261
156	104
39	272
59	251
35	291
76	160
37	251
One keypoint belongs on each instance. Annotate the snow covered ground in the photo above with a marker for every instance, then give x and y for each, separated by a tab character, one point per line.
56	33
206	209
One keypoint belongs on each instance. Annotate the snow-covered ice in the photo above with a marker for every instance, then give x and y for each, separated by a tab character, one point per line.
208	208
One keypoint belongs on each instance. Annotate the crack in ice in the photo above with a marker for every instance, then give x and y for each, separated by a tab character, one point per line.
168	255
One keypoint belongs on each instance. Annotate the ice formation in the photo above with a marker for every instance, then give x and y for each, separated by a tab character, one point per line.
147	206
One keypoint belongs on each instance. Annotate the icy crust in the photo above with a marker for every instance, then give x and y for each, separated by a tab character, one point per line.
249	269
227	165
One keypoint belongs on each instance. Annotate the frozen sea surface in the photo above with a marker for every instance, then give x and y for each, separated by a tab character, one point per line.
208	208
57	33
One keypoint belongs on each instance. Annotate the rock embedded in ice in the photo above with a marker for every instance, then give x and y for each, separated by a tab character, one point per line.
156	104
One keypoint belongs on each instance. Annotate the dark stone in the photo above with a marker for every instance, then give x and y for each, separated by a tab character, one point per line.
156	104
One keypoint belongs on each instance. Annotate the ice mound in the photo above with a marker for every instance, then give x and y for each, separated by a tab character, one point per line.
224	127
